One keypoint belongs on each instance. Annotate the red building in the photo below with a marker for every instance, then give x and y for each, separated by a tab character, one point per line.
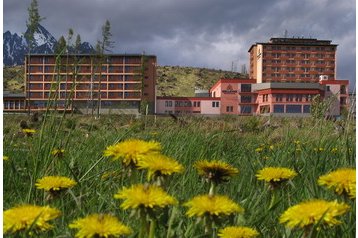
90	82
292	60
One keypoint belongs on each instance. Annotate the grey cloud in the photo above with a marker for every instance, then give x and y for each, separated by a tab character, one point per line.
204	33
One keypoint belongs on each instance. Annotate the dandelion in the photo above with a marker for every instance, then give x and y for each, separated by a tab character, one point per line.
275	175
320	149
145	199
312	212
159	165
271	147
5	158
26	216
130	151
259	149
28	132
144	196
297	142
238	232
99	225
215	171
334	150
215	205
54	183
58	152
341	180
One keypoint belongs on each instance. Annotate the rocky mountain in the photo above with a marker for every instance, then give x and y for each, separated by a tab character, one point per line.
15	46
14	49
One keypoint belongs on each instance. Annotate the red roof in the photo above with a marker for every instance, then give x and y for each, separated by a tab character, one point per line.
187	98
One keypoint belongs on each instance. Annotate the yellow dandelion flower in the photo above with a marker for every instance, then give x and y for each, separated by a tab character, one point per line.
297	142
5	157
313	212
144	196
158	165
58	152
54	183
216	171
275	174
334	150
259	149
99	225
320	149
215	205
341	180
130	151
25	216
238	232
271	147
28	132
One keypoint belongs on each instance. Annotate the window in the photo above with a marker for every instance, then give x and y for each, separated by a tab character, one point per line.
293	108
168	103
229	108
245	99
265	97
278	97
245	87
278	108
215	104
245	109
298	98
306	108
328	88
289	98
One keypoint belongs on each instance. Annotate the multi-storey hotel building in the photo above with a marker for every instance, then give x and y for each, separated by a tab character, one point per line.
292	60
285	75
90	82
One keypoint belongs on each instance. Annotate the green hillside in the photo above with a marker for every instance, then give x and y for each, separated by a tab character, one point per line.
14	79
182	81
171	80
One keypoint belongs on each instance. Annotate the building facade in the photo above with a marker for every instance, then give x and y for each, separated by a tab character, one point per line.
88	83
293	60
14	102
245	97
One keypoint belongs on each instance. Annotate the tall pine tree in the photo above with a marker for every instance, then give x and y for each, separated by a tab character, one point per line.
32	24
103	46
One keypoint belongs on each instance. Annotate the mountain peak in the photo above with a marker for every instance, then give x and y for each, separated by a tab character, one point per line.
15	46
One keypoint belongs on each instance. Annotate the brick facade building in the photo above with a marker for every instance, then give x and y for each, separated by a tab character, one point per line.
90	82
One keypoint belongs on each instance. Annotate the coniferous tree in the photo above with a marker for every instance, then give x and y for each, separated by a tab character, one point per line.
32	24
101	47
77	43
60	46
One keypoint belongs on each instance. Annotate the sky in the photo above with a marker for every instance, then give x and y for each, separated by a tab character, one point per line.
201	33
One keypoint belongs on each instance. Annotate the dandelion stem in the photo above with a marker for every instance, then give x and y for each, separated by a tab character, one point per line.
212	189
153	224
143	225
208	225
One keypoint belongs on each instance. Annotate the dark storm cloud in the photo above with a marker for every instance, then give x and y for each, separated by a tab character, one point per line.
204	33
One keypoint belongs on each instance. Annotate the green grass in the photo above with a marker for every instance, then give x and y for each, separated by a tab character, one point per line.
231	139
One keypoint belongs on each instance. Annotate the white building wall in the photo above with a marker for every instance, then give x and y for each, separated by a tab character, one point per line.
162	108
208	109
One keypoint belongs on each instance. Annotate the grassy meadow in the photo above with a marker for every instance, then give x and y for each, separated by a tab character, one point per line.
310	147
